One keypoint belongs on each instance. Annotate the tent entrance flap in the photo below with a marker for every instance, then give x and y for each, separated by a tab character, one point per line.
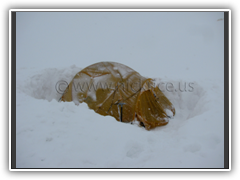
149	112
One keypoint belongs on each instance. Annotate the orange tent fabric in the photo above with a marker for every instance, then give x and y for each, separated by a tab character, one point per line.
110	88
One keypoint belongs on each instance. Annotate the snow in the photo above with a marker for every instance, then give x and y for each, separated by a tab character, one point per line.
52	134
122	70
169	113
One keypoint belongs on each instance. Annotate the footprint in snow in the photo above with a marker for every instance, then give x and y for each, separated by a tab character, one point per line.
134	150
194	147
48	139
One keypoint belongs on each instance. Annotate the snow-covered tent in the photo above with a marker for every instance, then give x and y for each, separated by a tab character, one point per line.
114	89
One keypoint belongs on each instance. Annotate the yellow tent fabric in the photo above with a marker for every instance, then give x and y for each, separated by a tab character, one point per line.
108	86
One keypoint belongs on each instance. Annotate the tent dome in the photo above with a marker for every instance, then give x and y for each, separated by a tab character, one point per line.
110	88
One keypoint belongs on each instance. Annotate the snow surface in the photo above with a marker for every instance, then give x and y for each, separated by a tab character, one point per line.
52	134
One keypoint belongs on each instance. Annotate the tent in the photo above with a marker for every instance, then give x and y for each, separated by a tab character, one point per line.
110	88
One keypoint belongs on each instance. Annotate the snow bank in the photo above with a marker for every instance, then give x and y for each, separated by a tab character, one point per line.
46	83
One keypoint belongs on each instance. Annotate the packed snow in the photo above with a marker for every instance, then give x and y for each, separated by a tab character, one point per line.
53	134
